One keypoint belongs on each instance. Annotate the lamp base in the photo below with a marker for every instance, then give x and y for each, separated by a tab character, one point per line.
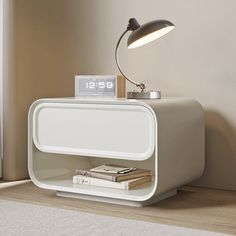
144	94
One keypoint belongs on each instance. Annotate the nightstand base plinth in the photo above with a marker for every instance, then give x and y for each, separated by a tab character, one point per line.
158	198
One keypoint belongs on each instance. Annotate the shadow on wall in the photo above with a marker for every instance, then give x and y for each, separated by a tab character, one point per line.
220	153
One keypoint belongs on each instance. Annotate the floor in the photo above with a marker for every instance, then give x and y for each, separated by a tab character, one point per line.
193	207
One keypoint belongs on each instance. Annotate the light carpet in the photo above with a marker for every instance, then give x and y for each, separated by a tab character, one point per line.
27	219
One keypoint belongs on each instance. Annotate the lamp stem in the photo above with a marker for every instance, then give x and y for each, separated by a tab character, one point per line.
142	86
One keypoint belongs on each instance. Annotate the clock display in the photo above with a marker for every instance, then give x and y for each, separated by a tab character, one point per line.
99	85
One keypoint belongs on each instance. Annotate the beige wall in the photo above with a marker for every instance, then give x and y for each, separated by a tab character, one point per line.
55	39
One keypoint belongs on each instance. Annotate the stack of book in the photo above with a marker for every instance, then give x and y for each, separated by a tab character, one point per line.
113	176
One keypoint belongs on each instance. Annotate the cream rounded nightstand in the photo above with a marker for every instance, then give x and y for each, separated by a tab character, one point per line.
163	135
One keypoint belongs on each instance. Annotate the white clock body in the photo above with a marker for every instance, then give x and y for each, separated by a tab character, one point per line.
163	135
102	86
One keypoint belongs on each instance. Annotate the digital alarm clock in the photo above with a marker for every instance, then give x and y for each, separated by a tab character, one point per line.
99	86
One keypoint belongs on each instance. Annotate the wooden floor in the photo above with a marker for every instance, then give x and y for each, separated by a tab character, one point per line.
192	207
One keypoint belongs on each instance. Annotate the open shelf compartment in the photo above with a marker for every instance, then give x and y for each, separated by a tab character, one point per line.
55	171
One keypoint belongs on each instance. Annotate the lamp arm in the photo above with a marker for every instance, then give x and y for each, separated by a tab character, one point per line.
142	86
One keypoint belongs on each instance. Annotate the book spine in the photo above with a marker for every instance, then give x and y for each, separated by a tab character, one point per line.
84	180
140	181
95	175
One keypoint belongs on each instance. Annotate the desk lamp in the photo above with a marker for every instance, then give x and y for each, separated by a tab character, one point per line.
141	35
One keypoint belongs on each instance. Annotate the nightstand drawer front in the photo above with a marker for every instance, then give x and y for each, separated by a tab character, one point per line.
112	131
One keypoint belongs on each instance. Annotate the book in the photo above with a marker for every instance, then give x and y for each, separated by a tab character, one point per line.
115	177
126	185
112	169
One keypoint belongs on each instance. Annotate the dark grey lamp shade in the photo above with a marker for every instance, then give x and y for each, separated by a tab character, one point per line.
148	32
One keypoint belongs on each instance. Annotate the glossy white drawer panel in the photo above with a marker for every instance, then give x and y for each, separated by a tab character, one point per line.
100	130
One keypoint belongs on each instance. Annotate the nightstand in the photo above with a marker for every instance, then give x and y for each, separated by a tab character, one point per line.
163	135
